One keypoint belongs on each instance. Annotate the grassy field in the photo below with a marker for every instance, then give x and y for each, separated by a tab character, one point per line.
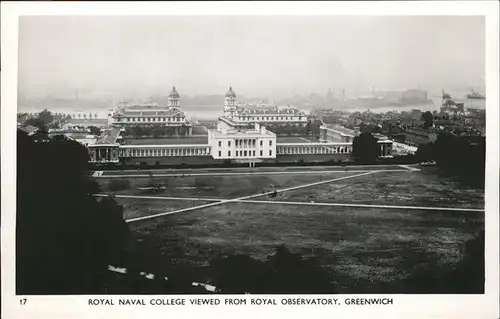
230	186
393	188
133	207
373	245
368	246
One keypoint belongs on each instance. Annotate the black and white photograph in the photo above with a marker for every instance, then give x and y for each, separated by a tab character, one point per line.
295	155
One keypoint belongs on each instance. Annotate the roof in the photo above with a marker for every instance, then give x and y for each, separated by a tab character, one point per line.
340	129
75	135
30	129
74	121
170	146
230	93
244	133
267	109
108	137
150	113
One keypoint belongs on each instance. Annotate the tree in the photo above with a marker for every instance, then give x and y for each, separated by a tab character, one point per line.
46	117
35	121
94	130
427	118
65	238
282	272
365	148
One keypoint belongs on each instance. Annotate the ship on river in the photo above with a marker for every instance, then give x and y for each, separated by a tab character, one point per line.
476	96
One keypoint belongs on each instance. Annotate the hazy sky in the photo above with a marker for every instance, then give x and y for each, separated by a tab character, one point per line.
118	57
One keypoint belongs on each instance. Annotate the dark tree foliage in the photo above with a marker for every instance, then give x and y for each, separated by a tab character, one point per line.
427	118
35	121
65	237
458	155
365	148
46	117
466	277
283	272
94	130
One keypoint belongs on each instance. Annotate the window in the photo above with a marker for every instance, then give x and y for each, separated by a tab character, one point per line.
237	153
229	153
253	153
245	154
270	153
261	153
261	143
229	143
220	153
220	143
253	142
270	143
236	142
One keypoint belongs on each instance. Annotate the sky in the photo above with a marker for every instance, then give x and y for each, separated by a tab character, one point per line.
130	57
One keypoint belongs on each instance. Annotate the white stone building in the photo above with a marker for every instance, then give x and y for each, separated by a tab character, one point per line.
151	115
249	144
238	115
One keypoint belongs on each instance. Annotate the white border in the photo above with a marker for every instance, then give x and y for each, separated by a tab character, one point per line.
405	306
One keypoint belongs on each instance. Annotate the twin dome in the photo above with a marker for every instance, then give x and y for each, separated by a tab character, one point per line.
175	94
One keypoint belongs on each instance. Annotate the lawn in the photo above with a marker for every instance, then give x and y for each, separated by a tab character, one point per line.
222	186
367	247
133	207
393	188
368	244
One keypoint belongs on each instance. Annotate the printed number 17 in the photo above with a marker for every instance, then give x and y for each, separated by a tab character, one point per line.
23	301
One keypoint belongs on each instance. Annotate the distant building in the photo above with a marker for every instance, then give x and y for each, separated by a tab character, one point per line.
29	129
230	143
152	115
105	148
79	122
245	115
80	135
336	133
416	137
331	133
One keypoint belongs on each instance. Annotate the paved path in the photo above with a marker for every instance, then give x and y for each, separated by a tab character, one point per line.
164	197
365	205
260	169
246	197
244	173
412	169
298	203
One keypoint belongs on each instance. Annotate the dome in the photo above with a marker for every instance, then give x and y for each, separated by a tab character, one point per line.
230	93
174	93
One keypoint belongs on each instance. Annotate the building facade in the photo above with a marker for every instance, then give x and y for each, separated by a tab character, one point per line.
418	137
151	115
250	144
246	115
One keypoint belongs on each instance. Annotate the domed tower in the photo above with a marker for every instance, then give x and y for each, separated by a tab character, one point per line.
173	98
230	103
